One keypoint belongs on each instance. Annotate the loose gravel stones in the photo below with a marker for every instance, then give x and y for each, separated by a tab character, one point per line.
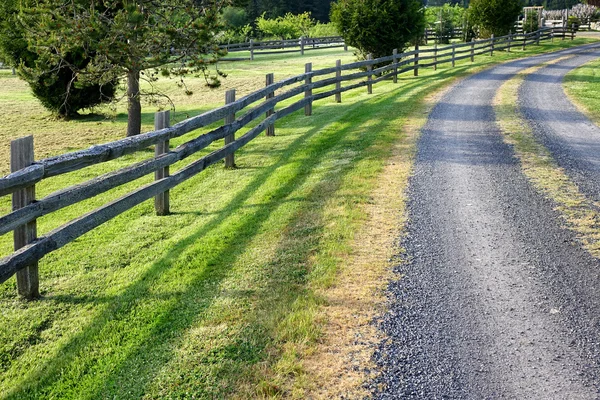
495	298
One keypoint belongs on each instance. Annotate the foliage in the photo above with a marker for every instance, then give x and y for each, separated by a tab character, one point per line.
240	35
323	30
289	26
443	20
531	23
378	26
573	22
57	87
319	9
494	17
234	17
126	39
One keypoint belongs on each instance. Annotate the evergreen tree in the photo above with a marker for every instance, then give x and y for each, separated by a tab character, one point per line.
128	39
54	84
378	26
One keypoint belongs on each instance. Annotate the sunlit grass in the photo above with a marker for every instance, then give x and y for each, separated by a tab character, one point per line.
222	298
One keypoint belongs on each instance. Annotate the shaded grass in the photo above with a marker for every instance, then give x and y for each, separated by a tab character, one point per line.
582	85
221	299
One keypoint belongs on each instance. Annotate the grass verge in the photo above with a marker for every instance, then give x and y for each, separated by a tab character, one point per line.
579	213
260	283
582	85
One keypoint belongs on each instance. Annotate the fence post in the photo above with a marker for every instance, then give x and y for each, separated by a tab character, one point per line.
472	49
509	40
572	31
269	79
416	71
251	49
524	41
345	46
338	83
537	38
308	92
492	48
369	77
162	120
435	57
453	55
229	118
395	62
302	45
14	71
22	156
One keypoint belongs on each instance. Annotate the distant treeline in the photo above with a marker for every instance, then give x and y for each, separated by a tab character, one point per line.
274	8
548	4
320	8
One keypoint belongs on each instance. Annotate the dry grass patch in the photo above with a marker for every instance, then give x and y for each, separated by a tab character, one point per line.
341	362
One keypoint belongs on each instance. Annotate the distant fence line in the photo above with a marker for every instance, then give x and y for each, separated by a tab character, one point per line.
26	173
303	44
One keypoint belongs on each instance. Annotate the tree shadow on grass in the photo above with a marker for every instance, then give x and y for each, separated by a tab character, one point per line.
141	356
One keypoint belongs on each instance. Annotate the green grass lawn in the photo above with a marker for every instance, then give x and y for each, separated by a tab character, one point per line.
583	87
220	299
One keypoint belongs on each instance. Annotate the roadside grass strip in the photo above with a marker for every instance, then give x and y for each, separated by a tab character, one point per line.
264	281
580	213
582	86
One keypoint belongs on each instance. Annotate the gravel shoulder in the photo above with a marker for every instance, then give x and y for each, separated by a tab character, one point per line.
495	299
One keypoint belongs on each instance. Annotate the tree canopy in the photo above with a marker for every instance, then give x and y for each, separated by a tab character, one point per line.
378	26
55	84
494	17
126	38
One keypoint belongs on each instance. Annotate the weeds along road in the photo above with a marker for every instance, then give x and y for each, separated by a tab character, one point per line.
496	299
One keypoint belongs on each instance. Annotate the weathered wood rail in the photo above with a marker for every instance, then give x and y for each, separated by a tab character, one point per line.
283	46
26	173
307	43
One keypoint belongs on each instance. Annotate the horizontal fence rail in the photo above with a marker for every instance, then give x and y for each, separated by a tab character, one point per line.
259	104
307	43
284	46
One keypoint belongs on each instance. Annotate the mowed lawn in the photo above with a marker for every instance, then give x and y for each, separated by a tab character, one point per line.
222	298
583	86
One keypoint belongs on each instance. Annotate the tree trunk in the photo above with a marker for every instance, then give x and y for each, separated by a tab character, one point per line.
134	107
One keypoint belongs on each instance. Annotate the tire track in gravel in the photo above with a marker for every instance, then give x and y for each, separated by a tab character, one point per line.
572	139
496	300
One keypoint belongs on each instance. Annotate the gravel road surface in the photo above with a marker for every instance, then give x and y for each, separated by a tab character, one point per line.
496	300
571	137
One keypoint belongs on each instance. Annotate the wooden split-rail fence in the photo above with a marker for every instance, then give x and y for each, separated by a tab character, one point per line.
26	173
303	44
300	45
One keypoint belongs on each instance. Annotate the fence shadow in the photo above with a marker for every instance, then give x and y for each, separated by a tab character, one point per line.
155	348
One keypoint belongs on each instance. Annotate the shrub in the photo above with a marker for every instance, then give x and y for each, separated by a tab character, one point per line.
289	26
494	17
443	20
378	26
323	30
531	23
50	88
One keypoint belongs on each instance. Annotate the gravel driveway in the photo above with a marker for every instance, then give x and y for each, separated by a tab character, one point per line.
496	300
571	137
